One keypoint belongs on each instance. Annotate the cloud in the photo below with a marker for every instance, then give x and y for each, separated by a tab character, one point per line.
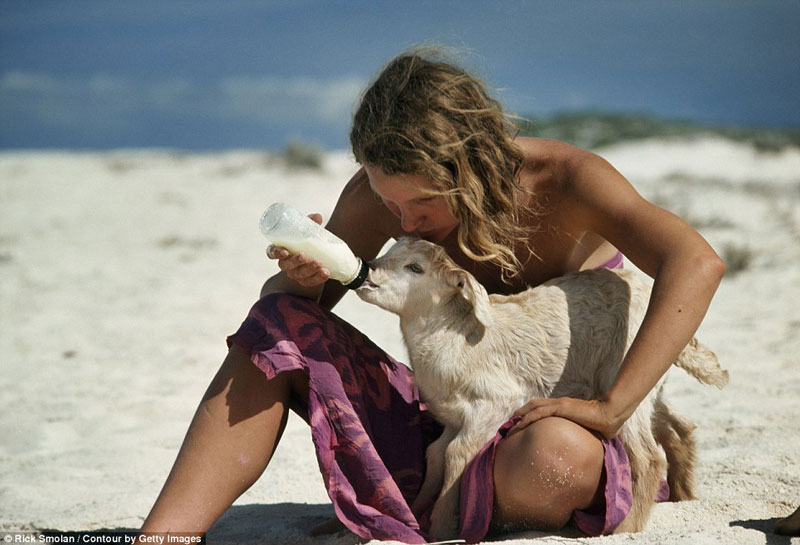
59	102
51	100
272	98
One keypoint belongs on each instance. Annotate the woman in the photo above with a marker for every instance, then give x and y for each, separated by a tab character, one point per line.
441	162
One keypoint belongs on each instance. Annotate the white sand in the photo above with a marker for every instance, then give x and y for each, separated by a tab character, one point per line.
122	273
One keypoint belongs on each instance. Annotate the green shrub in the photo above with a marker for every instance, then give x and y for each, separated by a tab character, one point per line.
303	155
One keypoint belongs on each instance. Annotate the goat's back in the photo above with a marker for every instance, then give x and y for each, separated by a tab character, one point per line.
568	336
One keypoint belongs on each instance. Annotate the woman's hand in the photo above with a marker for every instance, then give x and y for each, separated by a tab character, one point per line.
300	268
591	414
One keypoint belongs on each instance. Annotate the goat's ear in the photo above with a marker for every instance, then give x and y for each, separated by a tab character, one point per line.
475	294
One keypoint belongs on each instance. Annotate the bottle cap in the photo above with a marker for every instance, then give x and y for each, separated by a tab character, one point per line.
363	271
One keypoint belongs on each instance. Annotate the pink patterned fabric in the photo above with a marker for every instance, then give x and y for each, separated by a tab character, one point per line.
367	426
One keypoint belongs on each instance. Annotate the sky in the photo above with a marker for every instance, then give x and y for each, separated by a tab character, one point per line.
211	75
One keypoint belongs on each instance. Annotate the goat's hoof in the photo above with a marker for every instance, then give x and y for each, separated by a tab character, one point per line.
630	525
442	530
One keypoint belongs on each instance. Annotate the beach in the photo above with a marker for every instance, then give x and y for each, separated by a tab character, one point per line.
122	273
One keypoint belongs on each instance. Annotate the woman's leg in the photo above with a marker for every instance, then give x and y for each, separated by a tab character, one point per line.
228	445
545	472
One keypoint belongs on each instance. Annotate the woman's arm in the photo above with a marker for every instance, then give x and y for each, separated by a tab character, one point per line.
358	219
686	273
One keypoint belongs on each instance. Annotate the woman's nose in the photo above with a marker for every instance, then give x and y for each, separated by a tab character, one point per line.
409	222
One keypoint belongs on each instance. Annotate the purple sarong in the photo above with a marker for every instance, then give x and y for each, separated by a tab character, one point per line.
368	430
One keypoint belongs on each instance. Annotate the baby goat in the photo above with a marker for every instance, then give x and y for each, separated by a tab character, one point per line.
477	358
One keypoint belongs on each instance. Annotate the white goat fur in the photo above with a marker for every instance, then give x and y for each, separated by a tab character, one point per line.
478	358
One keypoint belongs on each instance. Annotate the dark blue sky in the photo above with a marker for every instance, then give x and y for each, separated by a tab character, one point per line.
201	74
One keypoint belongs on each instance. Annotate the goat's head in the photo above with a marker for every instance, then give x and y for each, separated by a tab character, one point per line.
415	276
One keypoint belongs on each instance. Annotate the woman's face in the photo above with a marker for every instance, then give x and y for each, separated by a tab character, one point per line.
404	195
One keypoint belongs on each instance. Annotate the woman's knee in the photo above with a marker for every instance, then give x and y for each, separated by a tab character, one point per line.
246	390
546	471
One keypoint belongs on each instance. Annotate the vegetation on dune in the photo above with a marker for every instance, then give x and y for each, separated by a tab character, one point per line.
597	129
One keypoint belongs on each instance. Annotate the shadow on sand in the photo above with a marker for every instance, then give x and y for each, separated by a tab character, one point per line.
255	524
276	524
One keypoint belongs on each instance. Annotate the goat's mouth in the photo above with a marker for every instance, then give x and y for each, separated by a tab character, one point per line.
368	285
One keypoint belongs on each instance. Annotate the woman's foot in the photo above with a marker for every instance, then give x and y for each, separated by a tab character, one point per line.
789	526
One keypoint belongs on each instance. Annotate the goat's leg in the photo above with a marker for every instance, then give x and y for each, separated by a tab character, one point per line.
675	434
459	453
647	466
434	471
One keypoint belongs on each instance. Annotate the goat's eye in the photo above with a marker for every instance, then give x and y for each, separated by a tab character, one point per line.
414	268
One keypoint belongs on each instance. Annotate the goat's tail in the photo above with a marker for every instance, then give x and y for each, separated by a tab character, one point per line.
702	364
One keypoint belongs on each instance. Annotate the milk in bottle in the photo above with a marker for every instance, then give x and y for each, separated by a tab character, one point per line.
289	228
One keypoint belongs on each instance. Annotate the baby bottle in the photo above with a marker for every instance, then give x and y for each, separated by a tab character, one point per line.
289	228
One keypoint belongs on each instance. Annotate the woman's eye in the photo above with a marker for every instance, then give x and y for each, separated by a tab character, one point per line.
414	268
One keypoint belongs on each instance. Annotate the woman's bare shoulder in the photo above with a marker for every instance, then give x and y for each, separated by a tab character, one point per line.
539	152
554	165
360	218
359	204
546	166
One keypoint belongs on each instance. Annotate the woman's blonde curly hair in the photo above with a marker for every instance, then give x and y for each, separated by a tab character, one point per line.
431	118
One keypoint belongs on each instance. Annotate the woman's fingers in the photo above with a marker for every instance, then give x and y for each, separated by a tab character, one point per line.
298	267
588	413
276	252
531	412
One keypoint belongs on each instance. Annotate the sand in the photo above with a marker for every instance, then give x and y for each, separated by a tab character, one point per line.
121	273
